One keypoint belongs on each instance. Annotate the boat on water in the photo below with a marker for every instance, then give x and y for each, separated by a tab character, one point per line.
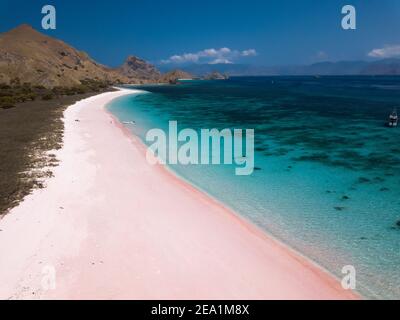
393	119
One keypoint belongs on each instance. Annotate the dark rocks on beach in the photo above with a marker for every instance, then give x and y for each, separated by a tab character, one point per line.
6	107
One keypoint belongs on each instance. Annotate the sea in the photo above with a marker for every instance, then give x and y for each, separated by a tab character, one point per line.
327	169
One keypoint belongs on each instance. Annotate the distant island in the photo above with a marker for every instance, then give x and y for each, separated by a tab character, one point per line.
174	76
215	75
341	68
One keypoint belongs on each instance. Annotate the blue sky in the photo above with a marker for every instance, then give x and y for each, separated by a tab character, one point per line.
278	31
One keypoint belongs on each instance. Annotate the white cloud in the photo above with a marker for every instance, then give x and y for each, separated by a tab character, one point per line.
221	61
321	55
186	57
210	56
249	52
385	52
225	50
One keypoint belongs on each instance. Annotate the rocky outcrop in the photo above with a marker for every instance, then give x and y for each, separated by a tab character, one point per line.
175	75
136	69
215	76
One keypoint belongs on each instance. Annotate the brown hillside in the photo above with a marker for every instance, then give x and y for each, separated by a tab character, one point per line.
41	60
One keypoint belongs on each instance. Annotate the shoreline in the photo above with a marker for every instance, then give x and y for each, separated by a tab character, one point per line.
252	227
135	242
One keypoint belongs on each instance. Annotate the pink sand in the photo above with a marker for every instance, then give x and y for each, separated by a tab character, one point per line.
114	227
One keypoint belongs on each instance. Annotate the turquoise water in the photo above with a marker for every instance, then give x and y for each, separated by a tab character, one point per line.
327	179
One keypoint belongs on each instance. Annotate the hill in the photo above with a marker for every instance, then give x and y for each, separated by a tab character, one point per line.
174	75
135	69
30	56
27	55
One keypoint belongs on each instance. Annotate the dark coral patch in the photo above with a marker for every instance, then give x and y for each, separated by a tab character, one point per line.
339	208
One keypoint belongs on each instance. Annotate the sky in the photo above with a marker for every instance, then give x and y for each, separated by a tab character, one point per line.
265	32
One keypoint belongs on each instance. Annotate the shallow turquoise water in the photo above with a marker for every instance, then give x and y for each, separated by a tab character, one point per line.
327	181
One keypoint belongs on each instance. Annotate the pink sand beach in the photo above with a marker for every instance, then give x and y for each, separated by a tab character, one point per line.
109	225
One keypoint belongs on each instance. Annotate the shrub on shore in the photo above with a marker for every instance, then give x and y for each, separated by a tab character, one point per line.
7	102
48	96
17	92
29	131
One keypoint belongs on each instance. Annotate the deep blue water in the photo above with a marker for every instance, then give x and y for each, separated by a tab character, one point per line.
327	181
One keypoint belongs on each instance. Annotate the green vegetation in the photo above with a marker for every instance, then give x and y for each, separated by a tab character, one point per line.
11	95
30	125
47	96
86	86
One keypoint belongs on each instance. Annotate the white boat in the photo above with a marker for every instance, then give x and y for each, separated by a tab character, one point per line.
393	119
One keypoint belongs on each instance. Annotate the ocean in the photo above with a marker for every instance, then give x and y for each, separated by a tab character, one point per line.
327	178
